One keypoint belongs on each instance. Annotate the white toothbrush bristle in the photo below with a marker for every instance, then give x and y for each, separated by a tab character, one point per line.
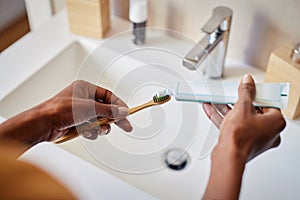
164	93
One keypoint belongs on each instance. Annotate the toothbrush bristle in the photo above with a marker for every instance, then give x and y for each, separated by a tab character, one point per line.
159	99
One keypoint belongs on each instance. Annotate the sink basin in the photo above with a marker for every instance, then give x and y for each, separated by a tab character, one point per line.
50	79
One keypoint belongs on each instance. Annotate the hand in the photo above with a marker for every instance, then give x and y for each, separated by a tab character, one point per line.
250	129
245	132
82	102
78	103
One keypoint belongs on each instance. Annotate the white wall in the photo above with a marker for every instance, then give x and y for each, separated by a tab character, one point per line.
259	26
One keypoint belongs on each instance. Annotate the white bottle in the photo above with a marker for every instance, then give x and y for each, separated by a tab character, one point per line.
138	14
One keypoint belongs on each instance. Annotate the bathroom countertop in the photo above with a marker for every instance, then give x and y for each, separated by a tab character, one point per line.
34	50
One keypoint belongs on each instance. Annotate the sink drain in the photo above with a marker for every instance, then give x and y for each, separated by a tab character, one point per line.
176	159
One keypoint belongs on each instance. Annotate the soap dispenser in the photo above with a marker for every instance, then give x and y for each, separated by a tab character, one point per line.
138	13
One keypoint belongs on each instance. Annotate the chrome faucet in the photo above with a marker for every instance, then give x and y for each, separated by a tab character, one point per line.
214	43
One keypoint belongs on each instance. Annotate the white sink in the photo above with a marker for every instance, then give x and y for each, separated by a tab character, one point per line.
136	74
50	79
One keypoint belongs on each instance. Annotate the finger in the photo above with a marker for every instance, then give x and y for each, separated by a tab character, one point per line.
272	144
106	96
93	133
271	111
259	110
272	114
222	109
272	118
57	134
124	124
246	93
212	114
277	142
90	134
104	129
84	89
81	89
110	111
103	94
99	93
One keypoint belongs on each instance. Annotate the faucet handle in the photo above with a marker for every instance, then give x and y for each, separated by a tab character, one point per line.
221	17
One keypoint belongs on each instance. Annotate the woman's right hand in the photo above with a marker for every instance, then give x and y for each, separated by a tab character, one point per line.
245	132
250	130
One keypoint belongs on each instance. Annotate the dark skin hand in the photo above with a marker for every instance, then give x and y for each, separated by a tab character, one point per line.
245	132
78	103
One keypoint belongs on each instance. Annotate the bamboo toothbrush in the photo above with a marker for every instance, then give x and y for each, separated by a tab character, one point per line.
157	100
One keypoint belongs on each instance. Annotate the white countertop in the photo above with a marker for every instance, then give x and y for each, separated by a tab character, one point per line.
31	52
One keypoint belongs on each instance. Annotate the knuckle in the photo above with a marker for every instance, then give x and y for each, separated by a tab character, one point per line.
109	96
109	93
278	142
109	111
79	82
59	104
282	123
246	102
249	88
114	111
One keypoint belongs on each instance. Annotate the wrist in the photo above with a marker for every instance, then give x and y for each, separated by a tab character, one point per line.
230	153
29	127
236	142
227	167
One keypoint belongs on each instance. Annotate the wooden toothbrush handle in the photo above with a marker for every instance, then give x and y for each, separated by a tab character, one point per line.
140	107
69	136
73	133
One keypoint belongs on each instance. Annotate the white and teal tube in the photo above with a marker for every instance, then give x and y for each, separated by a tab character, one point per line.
267	94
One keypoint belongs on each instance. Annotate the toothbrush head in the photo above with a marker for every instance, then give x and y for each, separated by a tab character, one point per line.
160	99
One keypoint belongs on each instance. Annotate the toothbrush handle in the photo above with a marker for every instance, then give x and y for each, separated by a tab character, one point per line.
140	107
73	133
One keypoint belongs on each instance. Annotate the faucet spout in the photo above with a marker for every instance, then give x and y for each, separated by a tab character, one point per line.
214	43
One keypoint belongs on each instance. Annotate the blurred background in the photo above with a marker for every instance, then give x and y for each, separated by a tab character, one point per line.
258	26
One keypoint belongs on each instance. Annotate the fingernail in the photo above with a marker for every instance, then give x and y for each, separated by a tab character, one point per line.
87	134
123	111
207	108
246	79
104	131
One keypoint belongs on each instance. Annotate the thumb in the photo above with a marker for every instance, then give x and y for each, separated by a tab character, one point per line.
111	111
246	92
